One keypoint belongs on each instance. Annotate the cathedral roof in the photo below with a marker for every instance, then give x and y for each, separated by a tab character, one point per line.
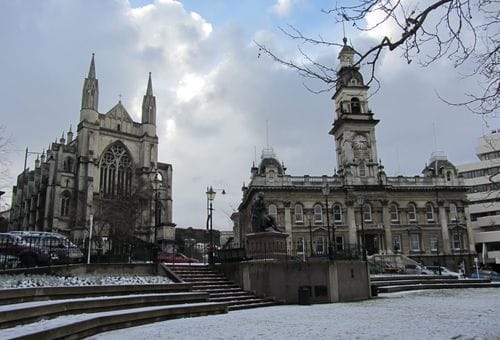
119	112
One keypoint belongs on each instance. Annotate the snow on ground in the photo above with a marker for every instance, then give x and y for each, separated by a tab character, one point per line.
426	314
37	280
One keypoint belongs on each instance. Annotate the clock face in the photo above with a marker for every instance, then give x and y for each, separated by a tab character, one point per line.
360	142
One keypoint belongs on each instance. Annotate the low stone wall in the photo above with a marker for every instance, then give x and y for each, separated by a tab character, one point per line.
327	281
93	268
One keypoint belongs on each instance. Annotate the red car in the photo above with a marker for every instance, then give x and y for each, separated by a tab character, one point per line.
178	258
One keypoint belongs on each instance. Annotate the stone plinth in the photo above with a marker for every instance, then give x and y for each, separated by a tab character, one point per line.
266	245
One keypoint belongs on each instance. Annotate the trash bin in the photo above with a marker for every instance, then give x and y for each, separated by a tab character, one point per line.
304	295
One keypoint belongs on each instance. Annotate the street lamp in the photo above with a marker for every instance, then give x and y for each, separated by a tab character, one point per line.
156	188
210	197
326	192
309	218
361	202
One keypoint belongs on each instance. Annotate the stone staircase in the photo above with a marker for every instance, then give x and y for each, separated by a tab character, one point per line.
78	312
398	283
219	288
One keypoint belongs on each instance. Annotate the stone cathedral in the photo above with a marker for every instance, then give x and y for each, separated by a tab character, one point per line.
92	175
359	206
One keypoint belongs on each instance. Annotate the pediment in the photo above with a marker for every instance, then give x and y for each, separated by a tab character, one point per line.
119	112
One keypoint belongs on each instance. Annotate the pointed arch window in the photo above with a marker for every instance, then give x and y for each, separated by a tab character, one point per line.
116	172
65	202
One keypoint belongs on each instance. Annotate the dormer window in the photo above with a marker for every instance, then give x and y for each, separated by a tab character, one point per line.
355	105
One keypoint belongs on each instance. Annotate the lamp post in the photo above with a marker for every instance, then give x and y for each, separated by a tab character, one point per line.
326	192
310	235
156	187
361	202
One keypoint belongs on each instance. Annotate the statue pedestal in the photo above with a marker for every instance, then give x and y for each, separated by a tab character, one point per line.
266	245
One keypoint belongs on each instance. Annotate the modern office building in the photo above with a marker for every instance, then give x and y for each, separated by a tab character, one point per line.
483	179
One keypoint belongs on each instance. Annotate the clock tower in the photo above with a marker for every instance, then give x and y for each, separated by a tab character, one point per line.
354	125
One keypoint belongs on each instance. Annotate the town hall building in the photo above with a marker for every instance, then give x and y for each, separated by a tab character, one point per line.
359	206
108	175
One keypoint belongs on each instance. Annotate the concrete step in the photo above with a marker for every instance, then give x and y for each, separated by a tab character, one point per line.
252	305
226	294
202	279
217	290
90	324
211	285
410	277
17	314
230	298
433	281
400	288
19	295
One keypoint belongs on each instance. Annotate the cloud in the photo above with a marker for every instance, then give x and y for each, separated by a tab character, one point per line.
283	8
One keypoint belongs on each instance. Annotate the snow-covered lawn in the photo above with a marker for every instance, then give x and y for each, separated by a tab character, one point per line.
35	280
427	314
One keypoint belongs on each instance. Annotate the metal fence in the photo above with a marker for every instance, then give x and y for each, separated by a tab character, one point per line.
266	251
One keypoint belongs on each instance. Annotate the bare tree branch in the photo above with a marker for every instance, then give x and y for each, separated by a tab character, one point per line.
463	31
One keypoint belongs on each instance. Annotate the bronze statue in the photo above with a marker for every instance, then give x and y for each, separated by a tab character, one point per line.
261	221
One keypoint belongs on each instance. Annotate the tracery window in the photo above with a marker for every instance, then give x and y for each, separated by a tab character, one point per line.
65	201
116	172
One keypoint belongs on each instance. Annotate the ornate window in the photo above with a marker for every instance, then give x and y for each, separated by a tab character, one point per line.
339	242
453	212
68	164
320	245
394	213
367	212
396	242
415	242
337	213
434	242
273	212
65	202
412	212
300	245
362	169
318	214
116	172
429	212
458	240
299	213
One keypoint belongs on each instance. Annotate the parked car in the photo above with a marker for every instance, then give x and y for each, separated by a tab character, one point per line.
61	249
485	274
175	258
29	255
439	270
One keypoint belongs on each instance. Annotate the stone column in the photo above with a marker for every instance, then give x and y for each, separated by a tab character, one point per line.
470	232
351	223
386	219
444	229
288	226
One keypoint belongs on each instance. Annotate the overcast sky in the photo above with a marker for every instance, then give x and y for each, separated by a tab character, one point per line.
214	93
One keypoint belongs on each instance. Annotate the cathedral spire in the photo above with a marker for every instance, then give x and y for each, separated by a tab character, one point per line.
90	93
149	105
92	68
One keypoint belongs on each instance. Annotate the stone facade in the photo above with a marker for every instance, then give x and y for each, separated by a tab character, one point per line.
359	206
112	160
